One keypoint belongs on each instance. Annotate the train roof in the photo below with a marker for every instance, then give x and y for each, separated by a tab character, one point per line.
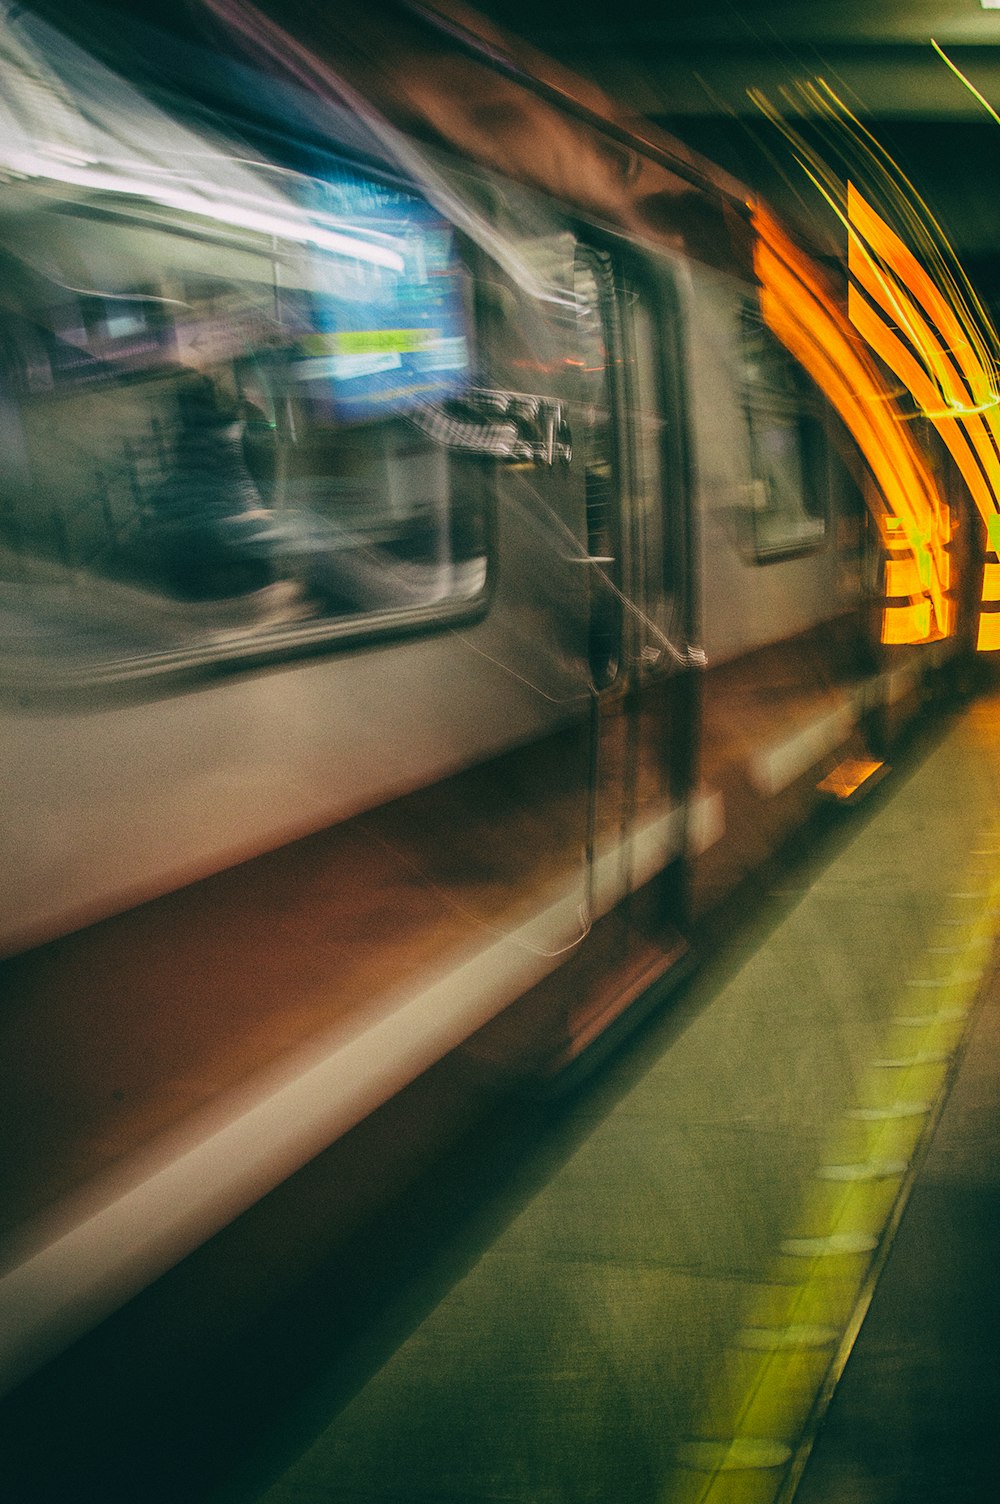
445	74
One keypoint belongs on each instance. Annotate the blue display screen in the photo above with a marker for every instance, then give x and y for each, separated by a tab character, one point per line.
386	320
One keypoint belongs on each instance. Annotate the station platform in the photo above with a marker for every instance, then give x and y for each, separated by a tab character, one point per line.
667	1304
751	1259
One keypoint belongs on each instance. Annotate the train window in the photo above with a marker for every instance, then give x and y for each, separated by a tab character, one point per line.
786	512
208	468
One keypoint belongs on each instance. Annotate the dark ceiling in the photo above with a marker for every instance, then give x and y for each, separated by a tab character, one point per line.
692	68
679	59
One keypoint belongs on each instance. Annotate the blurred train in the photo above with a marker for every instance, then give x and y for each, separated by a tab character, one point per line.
434	573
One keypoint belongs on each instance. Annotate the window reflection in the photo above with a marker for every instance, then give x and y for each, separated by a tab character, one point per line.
249	447
786	516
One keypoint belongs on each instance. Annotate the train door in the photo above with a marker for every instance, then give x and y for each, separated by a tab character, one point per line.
661	723
602	449
631	463
585	528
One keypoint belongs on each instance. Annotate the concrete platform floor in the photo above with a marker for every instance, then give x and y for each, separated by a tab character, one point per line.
914	1417
656	1301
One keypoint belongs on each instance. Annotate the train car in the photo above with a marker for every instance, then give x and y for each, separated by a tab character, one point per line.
433	577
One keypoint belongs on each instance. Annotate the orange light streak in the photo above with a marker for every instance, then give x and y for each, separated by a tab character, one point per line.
917	311
870	230
804	314
903	364
960	370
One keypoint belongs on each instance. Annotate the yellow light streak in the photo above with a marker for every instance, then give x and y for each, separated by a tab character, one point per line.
857	145
916	215
968	84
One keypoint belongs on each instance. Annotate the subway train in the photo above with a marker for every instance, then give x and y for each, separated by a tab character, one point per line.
451	536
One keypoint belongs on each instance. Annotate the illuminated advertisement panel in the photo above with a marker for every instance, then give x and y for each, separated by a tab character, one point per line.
386	317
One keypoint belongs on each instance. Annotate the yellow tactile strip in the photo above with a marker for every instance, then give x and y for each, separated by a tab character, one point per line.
772	1385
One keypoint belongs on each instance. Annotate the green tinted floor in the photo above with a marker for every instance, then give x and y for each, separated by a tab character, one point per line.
673	1291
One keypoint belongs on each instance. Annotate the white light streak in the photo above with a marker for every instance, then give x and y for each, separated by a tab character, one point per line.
198	200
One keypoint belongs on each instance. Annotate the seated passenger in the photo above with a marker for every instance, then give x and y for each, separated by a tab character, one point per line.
214	536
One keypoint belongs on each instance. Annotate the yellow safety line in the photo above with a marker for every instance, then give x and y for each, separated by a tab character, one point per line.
774	1383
